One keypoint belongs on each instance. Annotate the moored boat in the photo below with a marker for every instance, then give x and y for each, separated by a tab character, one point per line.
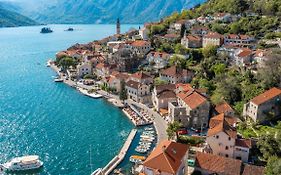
97	171
58	80
137	159
23	163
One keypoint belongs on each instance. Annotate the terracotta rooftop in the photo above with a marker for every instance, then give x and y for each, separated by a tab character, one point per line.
174	71
223	107
245	52
101	65
140	43
246	143
193	38
253	170
267	95
166	157
133	84
164	87
166	94
193	99
184	87
235	36
218	164
140	75
213	35
159	54
222	123
171	35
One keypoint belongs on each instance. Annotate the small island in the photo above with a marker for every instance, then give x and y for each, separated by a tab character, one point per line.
70	29
46	30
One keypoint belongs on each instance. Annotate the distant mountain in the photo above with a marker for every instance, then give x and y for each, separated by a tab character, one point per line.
101	11
13	19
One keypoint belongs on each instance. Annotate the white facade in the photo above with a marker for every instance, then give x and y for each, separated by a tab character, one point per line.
84	69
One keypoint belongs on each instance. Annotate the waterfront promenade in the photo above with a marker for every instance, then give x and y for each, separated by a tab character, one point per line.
118	159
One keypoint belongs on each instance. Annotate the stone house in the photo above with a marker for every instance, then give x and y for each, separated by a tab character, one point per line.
138	92
83	69
264	106
199	30
191	108
222	139
212	38
191	41
175	75
224	108
158	60
162	95
141	47
116	80
243	57
239	40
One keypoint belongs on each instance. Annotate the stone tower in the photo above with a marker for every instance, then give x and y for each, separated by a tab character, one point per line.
118	29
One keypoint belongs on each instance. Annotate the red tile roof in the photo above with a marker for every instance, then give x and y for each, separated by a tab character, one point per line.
174	71
253	170
166	157
193	38
159	54
266	96
246	143
213	35
140	75
193	99
222	123
140	43
218	164
223	107
245	52
171	35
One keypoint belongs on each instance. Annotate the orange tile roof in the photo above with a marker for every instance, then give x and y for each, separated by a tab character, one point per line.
159	54
171	35
253	170
184	87
193	99
222	123
245	52
218	164
101	65
267	95
246	143
174	71
193	38
140	43
213	35
140	75
223	107
166	157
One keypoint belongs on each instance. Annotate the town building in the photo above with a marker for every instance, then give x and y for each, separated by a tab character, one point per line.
191	41
239	40
264	106
115	81
102	70
179	24
212	38
223	17
143	32
141	47
243	57
168	158
191	108
175	75
125	59
261	57
199	30
83	69
138	87
162	95
158	60
213	164
222	139
118	27
224	108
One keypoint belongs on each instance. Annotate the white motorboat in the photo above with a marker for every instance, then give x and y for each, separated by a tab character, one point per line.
92	95
23	163
58	80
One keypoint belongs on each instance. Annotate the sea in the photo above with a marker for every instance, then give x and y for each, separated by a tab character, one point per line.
73	134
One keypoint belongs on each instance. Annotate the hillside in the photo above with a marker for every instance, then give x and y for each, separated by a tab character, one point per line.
103	11
13	19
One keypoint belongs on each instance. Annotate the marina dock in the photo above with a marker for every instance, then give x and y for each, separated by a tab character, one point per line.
118	158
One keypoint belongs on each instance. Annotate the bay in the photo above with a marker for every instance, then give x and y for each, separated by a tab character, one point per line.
54	121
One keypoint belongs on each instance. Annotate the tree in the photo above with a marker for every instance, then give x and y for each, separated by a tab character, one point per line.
172	129
66	62
89	76
273	166
123	92
158	81
177	60
209	51
269	143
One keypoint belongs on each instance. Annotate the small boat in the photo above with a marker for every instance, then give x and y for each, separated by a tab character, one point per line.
58	80
148	129
97	171
23	163
70	29
137	159
92	95
49	62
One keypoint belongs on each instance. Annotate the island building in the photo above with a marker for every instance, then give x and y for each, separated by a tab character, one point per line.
264	106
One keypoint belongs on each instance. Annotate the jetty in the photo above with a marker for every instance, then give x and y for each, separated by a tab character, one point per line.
118	158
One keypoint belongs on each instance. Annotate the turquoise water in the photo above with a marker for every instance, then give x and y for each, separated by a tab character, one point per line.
38	116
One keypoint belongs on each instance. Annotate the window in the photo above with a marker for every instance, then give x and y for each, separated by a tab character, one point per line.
217	137
226	148
226	155
229	138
